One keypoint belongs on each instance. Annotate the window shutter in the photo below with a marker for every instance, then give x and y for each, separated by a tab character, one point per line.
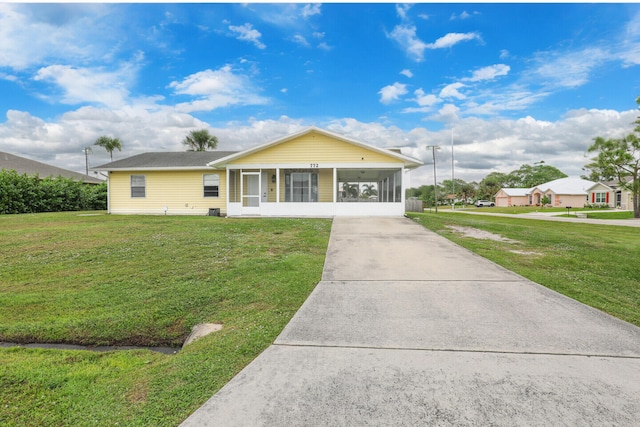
593	197
607	197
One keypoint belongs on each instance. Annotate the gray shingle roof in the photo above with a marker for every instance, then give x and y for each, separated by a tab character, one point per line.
166	160
31	167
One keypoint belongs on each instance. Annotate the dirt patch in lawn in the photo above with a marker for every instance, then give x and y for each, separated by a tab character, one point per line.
480	234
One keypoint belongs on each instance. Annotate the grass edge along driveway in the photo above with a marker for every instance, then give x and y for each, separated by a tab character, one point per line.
142	280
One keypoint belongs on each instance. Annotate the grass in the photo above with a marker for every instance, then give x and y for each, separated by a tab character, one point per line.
594	264
138	280
610	215
516	210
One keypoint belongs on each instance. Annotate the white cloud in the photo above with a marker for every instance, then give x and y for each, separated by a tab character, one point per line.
215	89
504	54
59	32
311	10
402	9
392	92
299	39
451	39
81	85
423	99
451	91
246	32
489	73
463	15
406	73
405	36
562	69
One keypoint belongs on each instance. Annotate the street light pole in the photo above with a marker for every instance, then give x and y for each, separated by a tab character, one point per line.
435	180
86	151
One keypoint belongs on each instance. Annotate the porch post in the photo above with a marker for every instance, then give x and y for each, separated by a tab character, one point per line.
335	185
227	178
277	185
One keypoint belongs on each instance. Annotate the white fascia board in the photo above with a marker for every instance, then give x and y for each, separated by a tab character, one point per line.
319	166
151	169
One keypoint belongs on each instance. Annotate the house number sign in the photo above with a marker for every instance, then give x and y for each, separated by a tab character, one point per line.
314	165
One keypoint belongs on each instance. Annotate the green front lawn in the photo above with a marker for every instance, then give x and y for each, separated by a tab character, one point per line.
142	280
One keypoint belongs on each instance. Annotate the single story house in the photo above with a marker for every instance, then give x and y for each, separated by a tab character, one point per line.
30	167
610	194
563	192
310	173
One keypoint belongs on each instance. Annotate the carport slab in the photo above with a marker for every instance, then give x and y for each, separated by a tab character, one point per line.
348	386
517	316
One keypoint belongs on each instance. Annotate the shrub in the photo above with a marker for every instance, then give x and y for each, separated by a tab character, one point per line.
30	194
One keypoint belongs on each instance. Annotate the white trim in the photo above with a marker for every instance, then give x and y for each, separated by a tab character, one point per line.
367	165
321	209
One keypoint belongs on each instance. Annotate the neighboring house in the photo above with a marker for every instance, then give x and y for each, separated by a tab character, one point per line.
31	167
563	192
512	197
610	194
310	173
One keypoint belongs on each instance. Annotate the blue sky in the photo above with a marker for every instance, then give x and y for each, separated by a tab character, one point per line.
515	84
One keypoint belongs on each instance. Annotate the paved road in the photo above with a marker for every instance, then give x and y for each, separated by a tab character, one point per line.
407	328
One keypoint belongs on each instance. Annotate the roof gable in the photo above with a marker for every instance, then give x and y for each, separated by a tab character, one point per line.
515	192
278	150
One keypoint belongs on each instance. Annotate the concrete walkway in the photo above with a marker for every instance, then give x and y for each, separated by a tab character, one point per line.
409	329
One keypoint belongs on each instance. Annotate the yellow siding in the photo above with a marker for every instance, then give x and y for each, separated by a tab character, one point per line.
314	148
325	184
179	191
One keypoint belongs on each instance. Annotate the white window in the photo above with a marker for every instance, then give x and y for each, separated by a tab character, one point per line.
601	197
211	183
138	186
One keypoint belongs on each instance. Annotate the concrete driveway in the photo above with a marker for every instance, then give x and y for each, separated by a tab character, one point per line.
407	328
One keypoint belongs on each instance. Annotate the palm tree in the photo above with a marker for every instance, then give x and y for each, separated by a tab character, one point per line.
109	144
350	190
200	140
369	190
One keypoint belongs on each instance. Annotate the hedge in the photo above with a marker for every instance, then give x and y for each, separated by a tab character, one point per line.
31	194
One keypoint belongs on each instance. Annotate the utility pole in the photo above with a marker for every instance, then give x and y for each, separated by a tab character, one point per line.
86	151
435	180
453	182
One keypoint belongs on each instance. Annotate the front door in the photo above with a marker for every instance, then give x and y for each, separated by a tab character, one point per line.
251	193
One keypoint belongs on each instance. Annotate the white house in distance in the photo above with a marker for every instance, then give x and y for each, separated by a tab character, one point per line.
310	173
564	192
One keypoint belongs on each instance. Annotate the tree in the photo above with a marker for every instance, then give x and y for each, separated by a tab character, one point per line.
350	190
619	159
200	140
491	184
529	176
109	144
369	190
